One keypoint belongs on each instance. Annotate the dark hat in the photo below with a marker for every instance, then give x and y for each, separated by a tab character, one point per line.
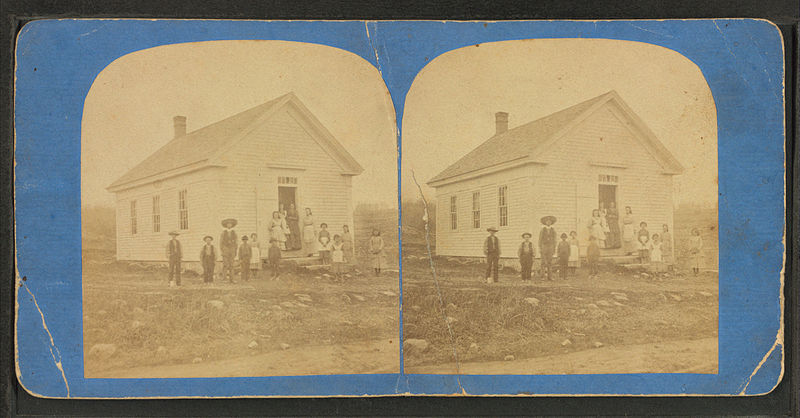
563	235
491	229
528	234
229	221
273	240
550	218
207	237
175	233
244	238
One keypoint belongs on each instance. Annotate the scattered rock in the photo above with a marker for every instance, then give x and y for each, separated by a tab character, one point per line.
302	297
415	307
197	360
473	347
216	304
509	357
675	297
620	296
161	350
103	350
326	275
102	312
618	304
532	301
345	322
578	298
581	311
301	305
591	306
566	342
276	308
661	322
346	298
284	346
452	306
388	293
253	344
603	303
706	294
415	344
136	324
451	320
263	301
598	344
287	304
359	298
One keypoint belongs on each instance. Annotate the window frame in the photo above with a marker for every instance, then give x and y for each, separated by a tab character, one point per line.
156	213
502	205
132	215
183	210
476	209
453	212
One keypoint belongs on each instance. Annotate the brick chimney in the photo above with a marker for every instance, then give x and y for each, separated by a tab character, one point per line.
180	126
501	122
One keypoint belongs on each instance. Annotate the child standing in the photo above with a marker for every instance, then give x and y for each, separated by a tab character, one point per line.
643	237
255	261
337	256
563	256
376	249
656	256
592	256
696	250
245	254
325	250
208	258
574	253
525	253
274	258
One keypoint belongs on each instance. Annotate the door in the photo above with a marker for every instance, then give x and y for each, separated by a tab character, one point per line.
287	196
607	194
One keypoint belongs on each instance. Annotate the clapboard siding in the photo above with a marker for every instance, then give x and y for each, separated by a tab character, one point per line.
562	182
283	146
467	240
576	162
147	245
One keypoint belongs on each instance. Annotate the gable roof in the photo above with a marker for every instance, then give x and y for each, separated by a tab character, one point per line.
525	140
199	147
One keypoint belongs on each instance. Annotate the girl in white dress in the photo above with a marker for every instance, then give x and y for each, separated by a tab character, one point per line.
337	256
628	234
255	261
277	229
596	228
574	253
696	250
309	233
656	255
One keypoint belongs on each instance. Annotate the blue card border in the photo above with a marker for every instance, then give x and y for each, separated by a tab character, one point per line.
57	61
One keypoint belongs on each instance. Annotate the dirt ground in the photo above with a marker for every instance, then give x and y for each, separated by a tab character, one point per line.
303	324
620	322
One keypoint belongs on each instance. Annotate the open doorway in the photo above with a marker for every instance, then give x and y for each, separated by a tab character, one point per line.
286	197
607	200
607	194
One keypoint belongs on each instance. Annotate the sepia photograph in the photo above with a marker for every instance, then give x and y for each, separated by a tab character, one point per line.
239	214
559	211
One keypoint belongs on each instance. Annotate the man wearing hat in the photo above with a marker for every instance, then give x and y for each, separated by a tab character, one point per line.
547	244
208	258
245	254
525	254
491	249
227	245
174	255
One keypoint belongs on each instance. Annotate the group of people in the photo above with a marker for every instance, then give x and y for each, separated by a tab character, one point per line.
335	251
654	250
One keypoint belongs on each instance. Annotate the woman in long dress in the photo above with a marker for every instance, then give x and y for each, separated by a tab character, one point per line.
309	233
349	250
666	246
628	235
612	219
696	250
293	222
277	229
376	249
657	253
596	228
255	261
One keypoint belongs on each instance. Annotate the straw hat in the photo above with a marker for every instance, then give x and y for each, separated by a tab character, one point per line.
527	234
550	218
174	233
492	229
229	221
208	237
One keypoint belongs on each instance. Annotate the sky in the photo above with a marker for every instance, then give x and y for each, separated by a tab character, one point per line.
129	108
450	107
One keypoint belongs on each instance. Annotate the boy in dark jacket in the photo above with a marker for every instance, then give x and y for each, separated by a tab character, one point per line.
563	256
274	258
245	254
208	258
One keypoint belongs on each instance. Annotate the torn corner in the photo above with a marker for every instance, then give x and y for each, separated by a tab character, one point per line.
56	355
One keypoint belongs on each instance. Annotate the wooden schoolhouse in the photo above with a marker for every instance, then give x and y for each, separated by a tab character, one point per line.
564	165
241	167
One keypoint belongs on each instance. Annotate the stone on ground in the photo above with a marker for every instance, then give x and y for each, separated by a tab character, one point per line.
136	324
103	350
566	342
473	347
591	306
216	304
287	304
451	320
359	298
598	344
532	301
675	297
415	344
388	293
253	344
284	346
509	357
161	350
302	297
706	294
197	360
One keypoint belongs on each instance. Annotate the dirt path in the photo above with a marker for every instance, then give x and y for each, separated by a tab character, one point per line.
369	357
687	356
